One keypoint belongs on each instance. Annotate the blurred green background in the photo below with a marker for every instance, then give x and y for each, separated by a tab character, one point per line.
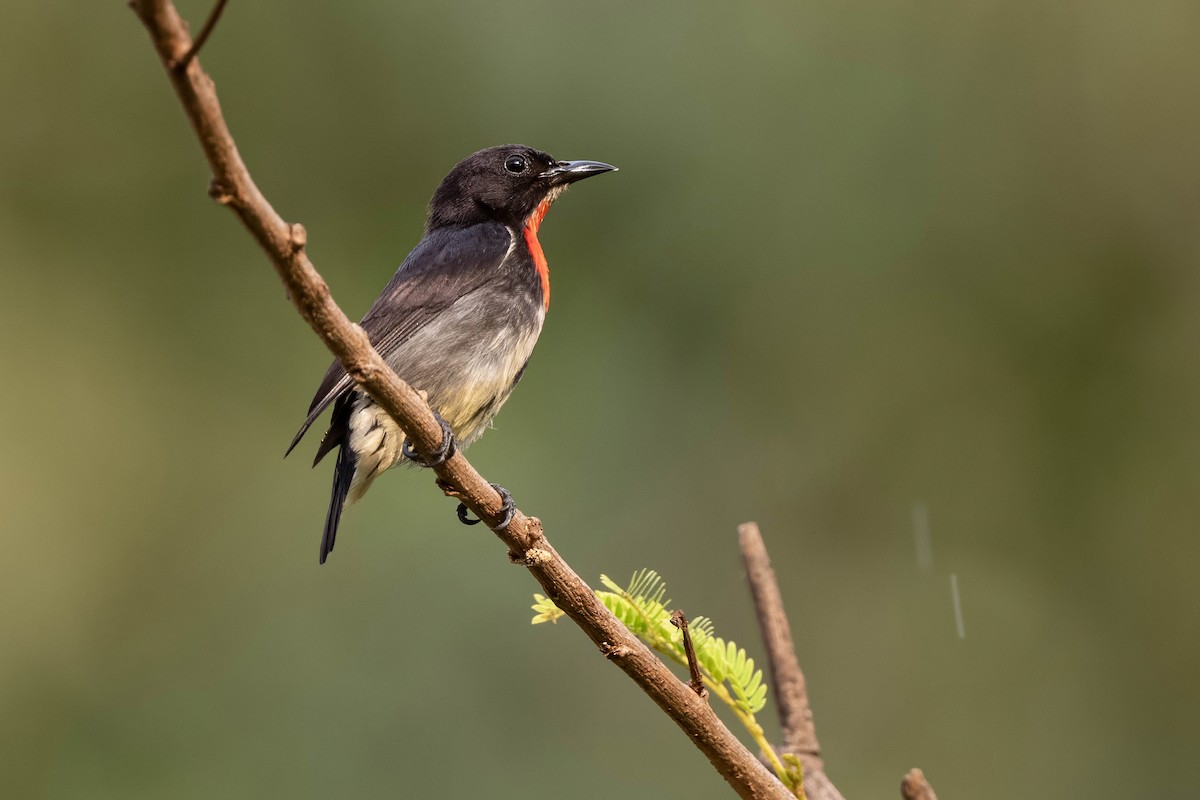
858	258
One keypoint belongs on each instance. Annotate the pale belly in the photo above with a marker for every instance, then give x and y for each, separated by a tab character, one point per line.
466	370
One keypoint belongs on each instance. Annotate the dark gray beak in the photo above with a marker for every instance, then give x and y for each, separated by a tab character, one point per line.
571	171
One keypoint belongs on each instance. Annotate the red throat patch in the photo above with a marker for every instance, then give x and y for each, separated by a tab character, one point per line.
535	248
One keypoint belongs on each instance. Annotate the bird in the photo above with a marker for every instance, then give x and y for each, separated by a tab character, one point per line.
458	321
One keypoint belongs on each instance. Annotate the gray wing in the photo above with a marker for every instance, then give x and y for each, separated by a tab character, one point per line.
446	265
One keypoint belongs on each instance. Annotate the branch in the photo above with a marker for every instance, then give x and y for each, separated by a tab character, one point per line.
210	23
697	682
791	694
787	681
285	247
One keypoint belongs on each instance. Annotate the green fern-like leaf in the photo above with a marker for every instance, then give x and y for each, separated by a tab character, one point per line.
754	684
621	608
646	584
735	658
744	680
702	631
547	610
641	606
612	585
758	699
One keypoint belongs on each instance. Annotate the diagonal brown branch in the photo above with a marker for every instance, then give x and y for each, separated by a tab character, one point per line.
285	247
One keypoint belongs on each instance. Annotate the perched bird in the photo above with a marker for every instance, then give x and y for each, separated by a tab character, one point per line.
458	320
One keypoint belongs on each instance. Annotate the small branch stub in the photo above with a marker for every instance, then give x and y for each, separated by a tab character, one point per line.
916	787
612	651
180	64
697	681
218	192
297	237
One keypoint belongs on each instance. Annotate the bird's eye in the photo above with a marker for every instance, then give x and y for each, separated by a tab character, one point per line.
515	164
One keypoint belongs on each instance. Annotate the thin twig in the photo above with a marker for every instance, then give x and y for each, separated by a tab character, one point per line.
697	682
787	681
285	247
791	694
915	787
180	64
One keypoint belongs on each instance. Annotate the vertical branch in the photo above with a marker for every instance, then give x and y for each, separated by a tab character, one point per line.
787	681
697	682
791	692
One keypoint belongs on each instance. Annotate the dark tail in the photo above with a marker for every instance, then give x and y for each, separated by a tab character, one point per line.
343	474
343	470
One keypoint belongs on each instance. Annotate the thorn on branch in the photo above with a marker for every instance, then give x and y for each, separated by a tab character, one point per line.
218	192
615	651
297	237
697	682
915	787
180	64
361	373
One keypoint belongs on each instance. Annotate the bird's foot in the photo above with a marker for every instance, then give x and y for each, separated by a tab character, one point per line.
445	449
507	509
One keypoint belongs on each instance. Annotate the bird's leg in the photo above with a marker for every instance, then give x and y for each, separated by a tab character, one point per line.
506	507
445	449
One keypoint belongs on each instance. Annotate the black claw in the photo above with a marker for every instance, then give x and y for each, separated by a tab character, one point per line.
444	451
506	507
